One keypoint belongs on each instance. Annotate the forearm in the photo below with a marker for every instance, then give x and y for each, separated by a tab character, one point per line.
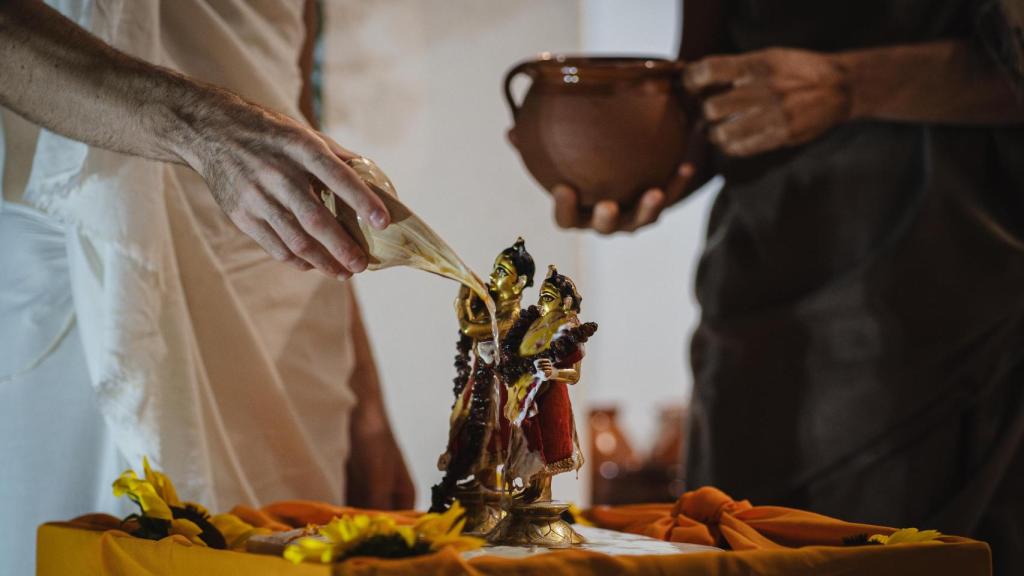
57	75
259	165
947	81
568	375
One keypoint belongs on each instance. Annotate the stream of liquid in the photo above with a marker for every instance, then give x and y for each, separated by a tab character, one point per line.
408	241
445	262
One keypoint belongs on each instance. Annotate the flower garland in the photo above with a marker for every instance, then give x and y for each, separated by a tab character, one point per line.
462	366
442	494
513	366
476	430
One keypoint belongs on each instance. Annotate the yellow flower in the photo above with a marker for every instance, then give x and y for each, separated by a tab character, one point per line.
342	535
346	530
235	530
188	529
577	515
446	530
309	548
142	493
162	484
906	536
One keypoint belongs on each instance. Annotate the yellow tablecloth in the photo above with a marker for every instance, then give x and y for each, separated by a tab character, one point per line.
764	540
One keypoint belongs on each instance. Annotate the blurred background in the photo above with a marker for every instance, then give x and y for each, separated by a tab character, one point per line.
417	87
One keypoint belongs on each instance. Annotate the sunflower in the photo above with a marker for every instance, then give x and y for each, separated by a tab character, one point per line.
445	529
162	513
380	536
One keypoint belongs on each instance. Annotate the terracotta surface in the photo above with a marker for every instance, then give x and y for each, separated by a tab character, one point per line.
610	127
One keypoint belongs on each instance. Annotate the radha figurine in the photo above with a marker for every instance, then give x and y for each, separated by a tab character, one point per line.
541	356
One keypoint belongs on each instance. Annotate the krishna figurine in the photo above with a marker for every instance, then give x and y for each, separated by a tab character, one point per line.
477	430
541	356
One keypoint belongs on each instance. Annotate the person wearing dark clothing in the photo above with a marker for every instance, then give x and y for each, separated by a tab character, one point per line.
861	347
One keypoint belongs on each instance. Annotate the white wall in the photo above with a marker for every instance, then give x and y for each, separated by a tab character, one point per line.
417	86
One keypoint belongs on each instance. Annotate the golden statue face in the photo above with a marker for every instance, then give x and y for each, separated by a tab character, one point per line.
505	281
550	299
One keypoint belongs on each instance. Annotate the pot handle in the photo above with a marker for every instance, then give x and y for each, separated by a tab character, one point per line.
525	67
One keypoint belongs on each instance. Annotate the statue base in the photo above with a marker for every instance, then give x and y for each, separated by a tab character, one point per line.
483	509
535	524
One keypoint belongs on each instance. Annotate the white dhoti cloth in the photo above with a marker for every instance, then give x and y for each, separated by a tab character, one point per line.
136	320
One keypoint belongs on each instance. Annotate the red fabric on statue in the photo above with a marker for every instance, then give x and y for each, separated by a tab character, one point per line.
550	431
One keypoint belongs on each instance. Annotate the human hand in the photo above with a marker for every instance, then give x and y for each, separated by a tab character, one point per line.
607	216
262	168
260	165
773	98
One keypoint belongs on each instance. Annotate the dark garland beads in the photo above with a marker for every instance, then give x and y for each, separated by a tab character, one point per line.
475	430
462	365
478	420
513	366
513	339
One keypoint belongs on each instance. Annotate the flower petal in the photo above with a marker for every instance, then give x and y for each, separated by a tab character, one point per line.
142	493
163	485
188	529
235	530
908	535
309	549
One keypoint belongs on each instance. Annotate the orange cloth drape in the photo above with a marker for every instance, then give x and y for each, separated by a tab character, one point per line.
765	540
709	516
297	513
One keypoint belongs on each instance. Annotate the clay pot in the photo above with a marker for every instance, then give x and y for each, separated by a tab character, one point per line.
610	127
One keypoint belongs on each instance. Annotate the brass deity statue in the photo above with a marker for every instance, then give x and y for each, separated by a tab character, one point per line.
541	355
475	447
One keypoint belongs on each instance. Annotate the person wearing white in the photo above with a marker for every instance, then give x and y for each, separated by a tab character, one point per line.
136	319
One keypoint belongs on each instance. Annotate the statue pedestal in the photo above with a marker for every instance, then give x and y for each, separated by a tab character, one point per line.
483	509
535	524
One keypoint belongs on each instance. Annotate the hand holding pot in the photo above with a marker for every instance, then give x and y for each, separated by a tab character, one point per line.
607	216
769	99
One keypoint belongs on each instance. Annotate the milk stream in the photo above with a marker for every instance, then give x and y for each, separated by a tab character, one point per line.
408	241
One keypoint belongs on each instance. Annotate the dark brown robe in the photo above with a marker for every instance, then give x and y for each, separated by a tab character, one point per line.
861	350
